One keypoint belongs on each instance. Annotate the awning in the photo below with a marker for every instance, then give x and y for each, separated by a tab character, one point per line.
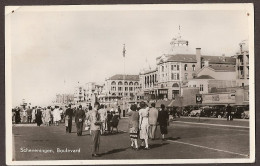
159	102
175	103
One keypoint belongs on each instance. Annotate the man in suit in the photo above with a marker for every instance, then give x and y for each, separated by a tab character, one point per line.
229	115
152	118
95	122
79	118
68	118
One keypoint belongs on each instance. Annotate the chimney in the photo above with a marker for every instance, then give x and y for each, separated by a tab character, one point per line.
198	57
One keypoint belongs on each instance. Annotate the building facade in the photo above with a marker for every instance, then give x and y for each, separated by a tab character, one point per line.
64	98
92	91
118	84
174	70
79	94
242	62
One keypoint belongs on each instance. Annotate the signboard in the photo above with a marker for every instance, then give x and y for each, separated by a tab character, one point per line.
198	98
219	98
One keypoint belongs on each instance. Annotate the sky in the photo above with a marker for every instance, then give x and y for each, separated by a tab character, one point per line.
51	51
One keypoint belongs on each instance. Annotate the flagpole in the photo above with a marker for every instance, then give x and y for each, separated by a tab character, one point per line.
124	79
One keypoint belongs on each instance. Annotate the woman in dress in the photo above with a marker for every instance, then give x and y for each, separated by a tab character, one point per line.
47	117
56	116
144	125
38	116
133	126
43	115
33	114
163	118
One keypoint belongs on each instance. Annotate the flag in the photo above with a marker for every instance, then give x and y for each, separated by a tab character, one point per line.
124	51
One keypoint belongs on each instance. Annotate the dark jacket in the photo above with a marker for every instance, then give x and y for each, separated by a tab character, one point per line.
163	118
80	114
69	112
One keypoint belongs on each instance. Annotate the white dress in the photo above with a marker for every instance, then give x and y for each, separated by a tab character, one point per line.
56	114
143	114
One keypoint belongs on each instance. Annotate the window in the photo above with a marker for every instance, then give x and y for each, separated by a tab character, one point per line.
185	67
119	88
201	87
194	86
126	83
193	67
113	88
174	67
178	68
186	76
162	68
178	76
131	83
172	76
126	88
130	88
113	83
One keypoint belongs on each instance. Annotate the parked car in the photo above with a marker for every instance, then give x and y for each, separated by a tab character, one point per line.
238	111
219	111
245	115
187	110
195	112
206	111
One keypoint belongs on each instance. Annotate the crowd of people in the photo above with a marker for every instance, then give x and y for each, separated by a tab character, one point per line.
143	122
100	120
39	115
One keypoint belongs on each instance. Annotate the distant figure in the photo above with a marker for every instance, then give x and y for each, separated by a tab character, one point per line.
47	117
29	115
229	115
33	113
153	117
95	123
133	126
163	118
119	112
38	116
68	119
114	121
79	119
17	115
144	125
24	115
103	117
109	119
56	116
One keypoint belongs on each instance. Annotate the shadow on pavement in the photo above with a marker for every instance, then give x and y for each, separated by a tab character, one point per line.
157	145
173	139
114	151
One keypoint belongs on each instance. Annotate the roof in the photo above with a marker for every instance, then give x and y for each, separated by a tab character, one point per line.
227	68
191	58
127	77
182	58
204	77
219	59
150	71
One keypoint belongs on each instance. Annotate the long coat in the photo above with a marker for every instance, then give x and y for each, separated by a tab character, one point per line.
79	114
